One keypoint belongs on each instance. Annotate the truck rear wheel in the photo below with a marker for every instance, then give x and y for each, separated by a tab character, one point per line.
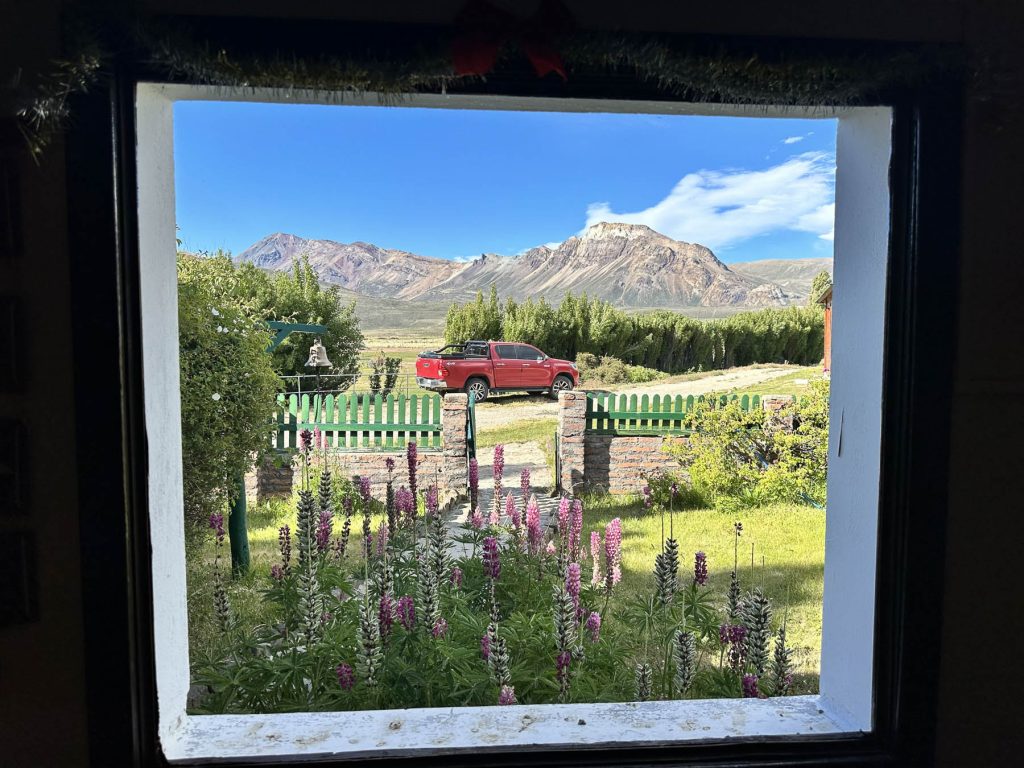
478	388
562	383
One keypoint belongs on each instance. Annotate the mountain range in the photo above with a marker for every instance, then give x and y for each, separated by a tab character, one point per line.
629	265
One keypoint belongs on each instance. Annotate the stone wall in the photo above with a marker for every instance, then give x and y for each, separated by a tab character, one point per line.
622	464
448	467
615	463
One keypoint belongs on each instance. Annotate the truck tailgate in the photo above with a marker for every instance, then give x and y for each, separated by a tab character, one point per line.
428	367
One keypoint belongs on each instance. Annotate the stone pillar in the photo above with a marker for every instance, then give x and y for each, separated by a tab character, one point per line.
572	423
455	464
274	477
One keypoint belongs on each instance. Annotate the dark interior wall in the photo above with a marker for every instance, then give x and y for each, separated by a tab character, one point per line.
42	718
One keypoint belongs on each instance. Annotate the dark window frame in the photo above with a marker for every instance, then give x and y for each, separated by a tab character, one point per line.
917	394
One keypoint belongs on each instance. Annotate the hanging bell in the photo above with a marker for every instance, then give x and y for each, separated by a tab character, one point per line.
318	356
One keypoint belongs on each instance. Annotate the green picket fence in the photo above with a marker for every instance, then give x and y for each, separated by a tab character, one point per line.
610	414
360	421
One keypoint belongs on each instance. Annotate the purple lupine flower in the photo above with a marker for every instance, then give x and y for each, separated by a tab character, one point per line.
513	513
738	527
534	534
284	543
572	586
440	628
404	503
613	553
406	611
735	636
595	555
474	481
575	529
674	489
476	520
499	464
217	524
750	687
455	577
432	503
364	488
323	531
648	498
305	440
564	510
562	663
491	559
411	460
276	572
507	695
382	538
524	482
386	614
389	464
594	626
494	518
700	569
346	676
485	646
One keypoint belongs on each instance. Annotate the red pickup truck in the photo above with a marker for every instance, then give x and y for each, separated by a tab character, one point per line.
482	367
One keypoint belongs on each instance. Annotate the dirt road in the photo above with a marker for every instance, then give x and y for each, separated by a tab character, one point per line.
509	409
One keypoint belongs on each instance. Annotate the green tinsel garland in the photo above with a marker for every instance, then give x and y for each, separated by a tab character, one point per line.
676	68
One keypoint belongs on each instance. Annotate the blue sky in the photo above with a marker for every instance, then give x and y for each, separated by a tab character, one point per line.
455	183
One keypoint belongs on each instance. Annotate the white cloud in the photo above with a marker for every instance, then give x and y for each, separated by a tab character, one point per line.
721	208
792	139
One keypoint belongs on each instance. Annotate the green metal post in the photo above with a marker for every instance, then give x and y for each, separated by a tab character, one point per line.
238	533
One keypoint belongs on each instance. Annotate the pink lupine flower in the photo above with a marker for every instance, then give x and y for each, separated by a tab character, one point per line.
346	676
551	549
564	510
382	539
485	646
494	518
534	534
613	553
575	529
750	687
700	569
476	519
456	577
406	610
595	554
524	482
594	626
513	513
440	628
491	559
474	481
572	586
499	463
648	498
276	572
316	437
507	695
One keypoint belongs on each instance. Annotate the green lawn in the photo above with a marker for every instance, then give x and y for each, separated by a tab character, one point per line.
527	431
796	382
790	538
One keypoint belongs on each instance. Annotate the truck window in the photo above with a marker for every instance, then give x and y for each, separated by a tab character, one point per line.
525	352
505	351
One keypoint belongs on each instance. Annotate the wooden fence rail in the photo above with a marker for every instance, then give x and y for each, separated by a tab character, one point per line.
360	421
610	414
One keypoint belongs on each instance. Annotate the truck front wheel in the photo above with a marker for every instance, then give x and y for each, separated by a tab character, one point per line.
562	383
478	389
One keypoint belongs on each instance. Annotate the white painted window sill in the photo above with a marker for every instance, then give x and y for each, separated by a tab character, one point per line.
410	732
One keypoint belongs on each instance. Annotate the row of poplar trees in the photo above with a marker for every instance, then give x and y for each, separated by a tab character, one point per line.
664	340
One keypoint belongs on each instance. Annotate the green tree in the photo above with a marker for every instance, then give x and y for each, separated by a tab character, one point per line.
821	283
228	385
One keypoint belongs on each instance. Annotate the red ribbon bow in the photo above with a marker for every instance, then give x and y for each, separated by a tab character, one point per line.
485	29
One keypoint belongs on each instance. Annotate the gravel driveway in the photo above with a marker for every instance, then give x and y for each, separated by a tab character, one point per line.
509	409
